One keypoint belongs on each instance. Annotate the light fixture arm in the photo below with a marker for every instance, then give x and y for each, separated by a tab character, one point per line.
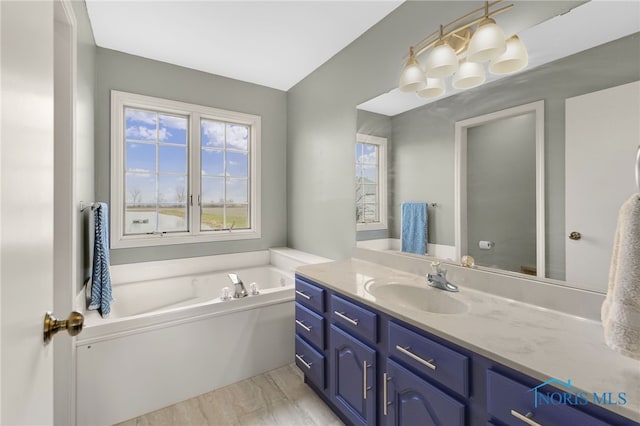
484	11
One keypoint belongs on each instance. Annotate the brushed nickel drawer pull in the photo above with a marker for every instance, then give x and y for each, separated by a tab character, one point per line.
527	418
346	318
303	325
306	296
306	364
410	354
365	388
385	396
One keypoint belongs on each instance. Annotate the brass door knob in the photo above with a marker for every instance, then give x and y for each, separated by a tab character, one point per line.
73	324
575	235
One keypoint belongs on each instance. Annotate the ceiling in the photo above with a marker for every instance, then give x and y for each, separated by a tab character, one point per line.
552	39
271	43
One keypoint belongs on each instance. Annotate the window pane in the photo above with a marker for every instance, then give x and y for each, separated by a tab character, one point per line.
212	162
173	129
140	125
236	191
369	154
173	159
358	173
212	217
237	137
141	190
370	193
238	216
212	191
172	218
360	213
358	152
140	203
237	163
212	133
172	190
140	157
371	213
369	174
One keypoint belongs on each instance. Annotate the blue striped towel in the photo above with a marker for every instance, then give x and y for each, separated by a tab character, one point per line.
414	228
100	279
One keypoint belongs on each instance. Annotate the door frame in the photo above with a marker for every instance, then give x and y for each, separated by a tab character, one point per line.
460	177
65	210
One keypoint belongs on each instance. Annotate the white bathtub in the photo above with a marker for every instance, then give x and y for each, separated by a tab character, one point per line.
169	339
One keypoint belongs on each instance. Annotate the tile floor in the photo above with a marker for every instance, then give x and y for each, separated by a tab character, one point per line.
278	397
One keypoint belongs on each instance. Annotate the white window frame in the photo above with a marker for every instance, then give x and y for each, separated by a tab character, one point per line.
120	100
382	182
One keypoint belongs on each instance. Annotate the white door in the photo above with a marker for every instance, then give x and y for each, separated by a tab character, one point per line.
27	253
602	137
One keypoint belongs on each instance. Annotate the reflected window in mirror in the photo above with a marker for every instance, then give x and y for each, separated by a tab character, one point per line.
371	178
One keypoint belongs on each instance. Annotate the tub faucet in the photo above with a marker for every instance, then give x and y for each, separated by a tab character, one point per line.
439	279
240	291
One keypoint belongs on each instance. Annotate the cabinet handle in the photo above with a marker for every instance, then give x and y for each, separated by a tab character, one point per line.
303	295
527	418
385	396
306	364
410	354
365	388
346	318
303	325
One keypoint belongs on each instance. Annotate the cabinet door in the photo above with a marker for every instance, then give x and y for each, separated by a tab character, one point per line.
352	369
413	401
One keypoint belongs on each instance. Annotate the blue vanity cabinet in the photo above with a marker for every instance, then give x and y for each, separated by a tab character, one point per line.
352	377
373	369
410	400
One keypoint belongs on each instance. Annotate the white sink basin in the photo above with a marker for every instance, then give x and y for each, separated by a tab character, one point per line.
421	298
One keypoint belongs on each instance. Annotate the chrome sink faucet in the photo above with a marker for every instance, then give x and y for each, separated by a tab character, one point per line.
439	278
239	291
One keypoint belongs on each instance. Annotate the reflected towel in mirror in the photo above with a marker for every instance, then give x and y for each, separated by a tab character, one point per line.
414	228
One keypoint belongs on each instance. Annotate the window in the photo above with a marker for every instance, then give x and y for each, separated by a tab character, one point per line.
181	173
371	182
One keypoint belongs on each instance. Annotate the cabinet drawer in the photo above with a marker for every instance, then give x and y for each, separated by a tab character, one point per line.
311	362
508	399
310	326
310	295
432	359
354	318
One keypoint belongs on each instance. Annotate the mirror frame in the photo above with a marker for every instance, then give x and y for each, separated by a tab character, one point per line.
460	177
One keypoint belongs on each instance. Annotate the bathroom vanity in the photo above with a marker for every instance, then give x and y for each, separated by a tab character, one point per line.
383	348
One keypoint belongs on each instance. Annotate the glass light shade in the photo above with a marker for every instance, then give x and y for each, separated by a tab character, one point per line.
441	62
433	88
412	77
513	59
487	43
470	74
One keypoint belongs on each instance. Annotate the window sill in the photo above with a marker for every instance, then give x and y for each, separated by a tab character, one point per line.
371	226
131	241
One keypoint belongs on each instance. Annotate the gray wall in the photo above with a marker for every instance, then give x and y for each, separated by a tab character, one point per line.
85	191
120	71
322	117
501	192
423	139
370	123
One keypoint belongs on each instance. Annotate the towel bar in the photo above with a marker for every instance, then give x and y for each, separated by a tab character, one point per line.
84	206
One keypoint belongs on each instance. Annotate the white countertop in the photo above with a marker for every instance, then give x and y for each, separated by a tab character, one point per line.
539	342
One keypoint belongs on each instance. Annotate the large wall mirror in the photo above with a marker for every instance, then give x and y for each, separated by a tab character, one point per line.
499	189
421	164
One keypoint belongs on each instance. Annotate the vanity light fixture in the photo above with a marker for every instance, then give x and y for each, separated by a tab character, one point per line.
459	49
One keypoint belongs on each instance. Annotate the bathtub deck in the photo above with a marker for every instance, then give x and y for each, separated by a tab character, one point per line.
277	397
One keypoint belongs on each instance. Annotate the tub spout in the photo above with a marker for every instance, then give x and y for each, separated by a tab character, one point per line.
240	291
